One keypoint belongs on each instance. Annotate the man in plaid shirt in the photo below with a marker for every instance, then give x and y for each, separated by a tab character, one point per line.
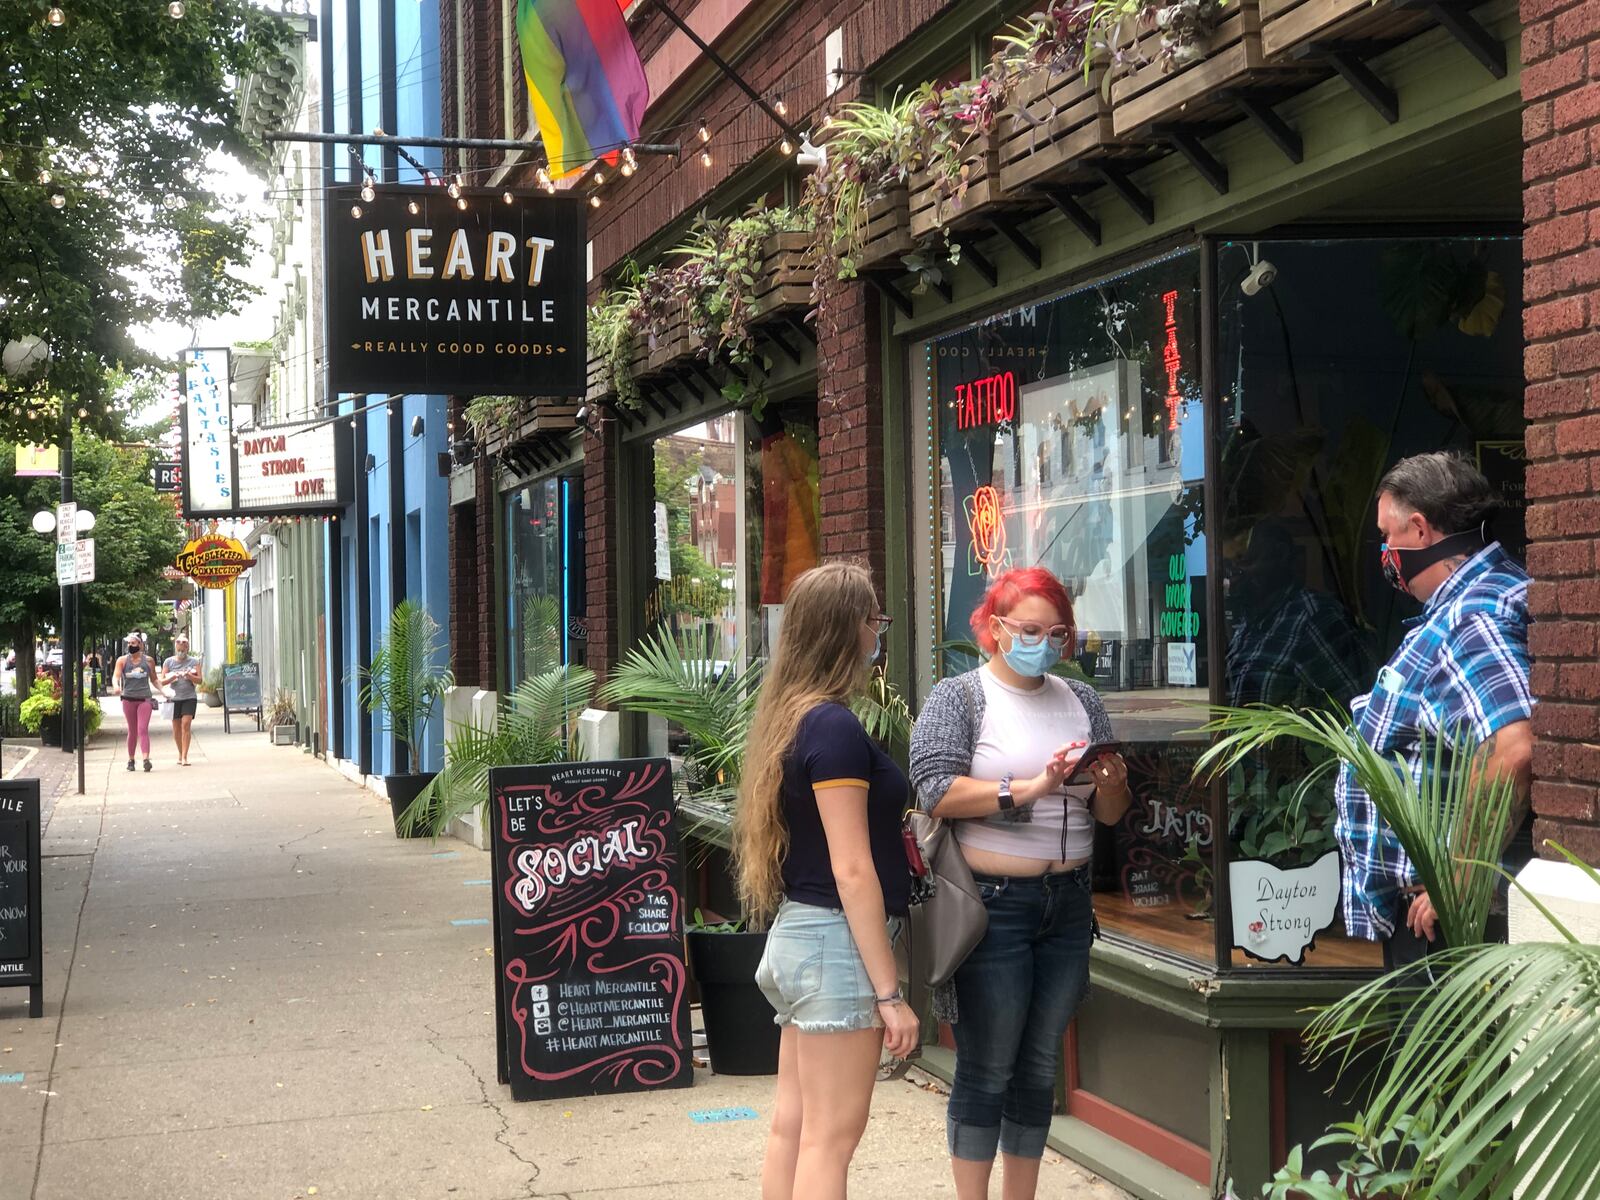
1462	667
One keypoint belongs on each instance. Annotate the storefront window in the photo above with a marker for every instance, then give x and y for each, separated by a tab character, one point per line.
1070	435
546	581
1359	353
736	520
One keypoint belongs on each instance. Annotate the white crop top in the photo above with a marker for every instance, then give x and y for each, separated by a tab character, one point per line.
1019	732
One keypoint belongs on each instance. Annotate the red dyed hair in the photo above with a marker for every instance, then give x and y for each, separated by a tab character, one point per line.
1007	591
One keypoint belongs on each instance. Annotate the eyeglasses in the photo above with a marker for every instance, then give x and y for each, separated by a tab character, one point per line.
881	622
1030	634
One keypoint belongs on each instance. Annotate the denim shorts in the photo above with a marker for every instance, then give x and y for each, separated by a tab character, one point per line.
812	974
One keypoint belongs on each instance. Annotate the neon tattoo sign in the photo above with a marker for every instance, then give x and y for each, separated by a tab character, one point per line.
1171	359
986	401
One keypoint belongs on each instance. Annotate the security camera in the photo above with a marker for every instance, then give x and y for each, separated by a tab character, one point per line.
1262	275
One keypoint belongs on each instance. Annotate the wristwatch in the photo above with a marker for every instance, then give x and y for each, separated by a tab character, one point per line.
1006	801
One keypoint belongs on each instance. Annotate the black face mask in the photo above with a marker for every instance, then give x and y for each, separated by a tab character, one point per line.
1400	567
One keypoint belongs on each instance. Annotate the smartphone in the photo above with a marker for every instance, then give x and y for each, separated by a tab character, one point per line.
1080	770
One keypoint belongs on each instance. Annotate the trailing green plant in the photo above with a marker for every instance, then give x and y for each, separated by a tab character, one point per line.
1485	1079
610	338
870	150
723	261
212	682
700	925
537	723
405	682
495	415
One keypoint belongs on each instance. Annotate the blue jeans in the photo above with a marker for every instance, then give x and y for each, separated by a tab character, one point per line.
1016	994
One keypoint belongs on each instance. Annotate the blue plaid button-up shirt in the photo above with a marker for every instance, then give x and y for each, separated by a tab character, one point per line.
1463	665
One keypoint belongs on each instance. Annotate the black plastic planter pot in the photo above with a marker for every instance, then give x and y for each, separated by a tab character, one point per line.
403	789
50	730
740	1033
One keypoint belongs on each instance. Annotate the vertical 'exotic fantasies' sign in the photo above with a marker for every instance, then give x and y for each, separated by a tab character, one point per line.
588	918
476	294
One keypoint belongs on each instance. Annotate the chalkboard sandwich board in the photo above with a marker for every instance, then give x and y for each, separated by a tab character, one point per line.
21	945
588	927
241	692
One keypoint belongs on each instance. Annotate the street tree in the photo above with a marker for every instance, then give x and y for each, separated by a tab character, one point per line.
136	533
107	122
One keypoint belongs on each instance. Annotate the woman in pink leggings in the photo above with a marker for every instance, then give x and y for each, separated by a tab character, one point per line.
133	679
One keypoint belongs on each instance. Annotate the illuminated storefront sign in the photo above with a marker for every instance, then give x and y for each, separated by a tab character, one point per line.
1171	358
290	468
986	520
986	401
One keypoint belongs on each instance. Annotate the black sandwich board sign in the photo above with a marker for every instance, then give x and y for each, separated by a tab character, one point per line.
590	980
21	938
241	692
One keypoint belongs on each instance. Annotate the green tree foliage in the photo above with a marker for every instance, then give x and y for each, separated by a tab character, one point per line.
136	534
115	112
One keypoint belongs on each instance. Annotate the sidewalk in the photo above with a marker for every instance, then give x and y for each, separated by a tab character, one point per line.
253	990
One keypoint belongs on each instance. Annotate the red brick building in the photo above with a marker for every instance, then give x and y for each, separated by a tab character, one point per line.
1344	235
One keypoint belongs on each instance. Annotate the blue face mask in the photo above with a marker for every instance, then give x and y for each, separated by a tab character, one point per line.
877	651
1031	660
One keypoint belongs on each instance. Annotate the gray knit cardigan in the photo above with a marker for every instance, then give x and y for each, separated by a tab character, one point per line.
942	744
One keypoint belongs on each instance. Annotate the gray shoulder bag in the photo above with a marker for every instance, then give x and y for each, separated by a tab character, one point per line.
952	920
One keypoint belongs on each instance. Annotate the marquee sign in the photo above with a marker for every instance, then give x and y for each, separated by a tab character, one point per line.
287	469
482	297
214	561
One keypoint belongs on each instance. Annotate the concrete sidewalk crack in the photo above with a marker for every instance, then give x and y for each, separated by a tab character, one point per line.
503	1135
284	846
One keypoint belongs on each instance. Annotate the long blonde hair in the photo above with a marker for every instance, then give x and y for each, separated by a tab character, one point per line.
818	659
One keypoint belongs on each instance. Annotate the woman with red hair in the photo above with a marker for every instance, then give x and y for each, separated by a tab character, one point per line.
996	751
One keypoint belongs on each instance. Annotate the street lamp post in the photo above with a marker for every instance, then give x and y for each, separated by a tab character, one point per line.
72	702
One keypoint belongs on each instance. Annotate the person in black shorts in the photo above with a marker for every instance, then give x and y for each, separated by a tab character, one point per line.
178	675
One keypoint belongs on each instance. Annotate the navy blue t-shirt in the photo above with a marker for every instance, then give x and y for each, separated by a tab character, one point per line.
832	749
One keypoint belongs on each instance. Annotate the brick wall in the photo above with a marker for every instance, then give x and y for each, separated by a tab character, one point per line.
850	427
1561	171
603	567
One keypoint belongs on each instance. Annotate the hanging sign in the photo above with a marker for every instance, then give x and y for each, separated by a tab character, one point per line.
285	470
482	299
207	419
1278	911
38	461
214	561
169	477
588	929
21	938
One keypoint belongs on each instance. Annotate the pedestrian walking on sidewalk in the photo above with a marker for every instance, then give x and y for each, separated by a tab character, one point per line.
134	680
1000	752
179	674
817	838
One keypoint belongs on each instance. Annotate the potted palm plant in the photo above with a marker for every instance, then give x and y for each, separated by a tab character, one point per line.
1483	1068
403	686
536	724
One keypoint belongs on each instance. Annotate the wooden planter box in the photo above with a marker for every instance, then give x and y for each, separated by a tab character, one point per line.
599	384
672	343
1152	95
1287	25
1059	121
887	236
985	191
784	283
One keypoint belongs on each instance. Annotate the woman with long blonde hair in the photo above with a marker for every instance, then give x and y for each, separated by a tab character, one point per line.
819	852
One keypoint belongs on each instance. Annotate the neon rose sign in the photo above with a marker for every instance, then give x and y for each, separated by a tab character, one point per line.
986	521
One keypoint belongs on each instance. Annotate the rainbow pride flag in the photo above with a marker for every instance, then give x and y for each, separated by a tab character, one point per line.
584	78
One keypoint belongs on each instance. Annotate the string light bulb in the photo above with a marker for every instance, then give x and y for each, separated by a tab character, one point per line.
599	178
779	107
705	158
542	177
454	190
461	203
594	200
44	178
459	181
355	211
368	193
175	10
413	207
58	201
703	132
507	197
56	17
626	170
786	147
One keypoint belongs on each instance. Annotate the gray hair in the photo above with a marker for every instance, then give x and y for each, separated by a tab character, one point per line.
1445	487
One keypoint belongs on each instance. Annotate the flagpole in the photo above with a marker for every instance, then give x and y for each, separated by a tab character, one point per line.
722	65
